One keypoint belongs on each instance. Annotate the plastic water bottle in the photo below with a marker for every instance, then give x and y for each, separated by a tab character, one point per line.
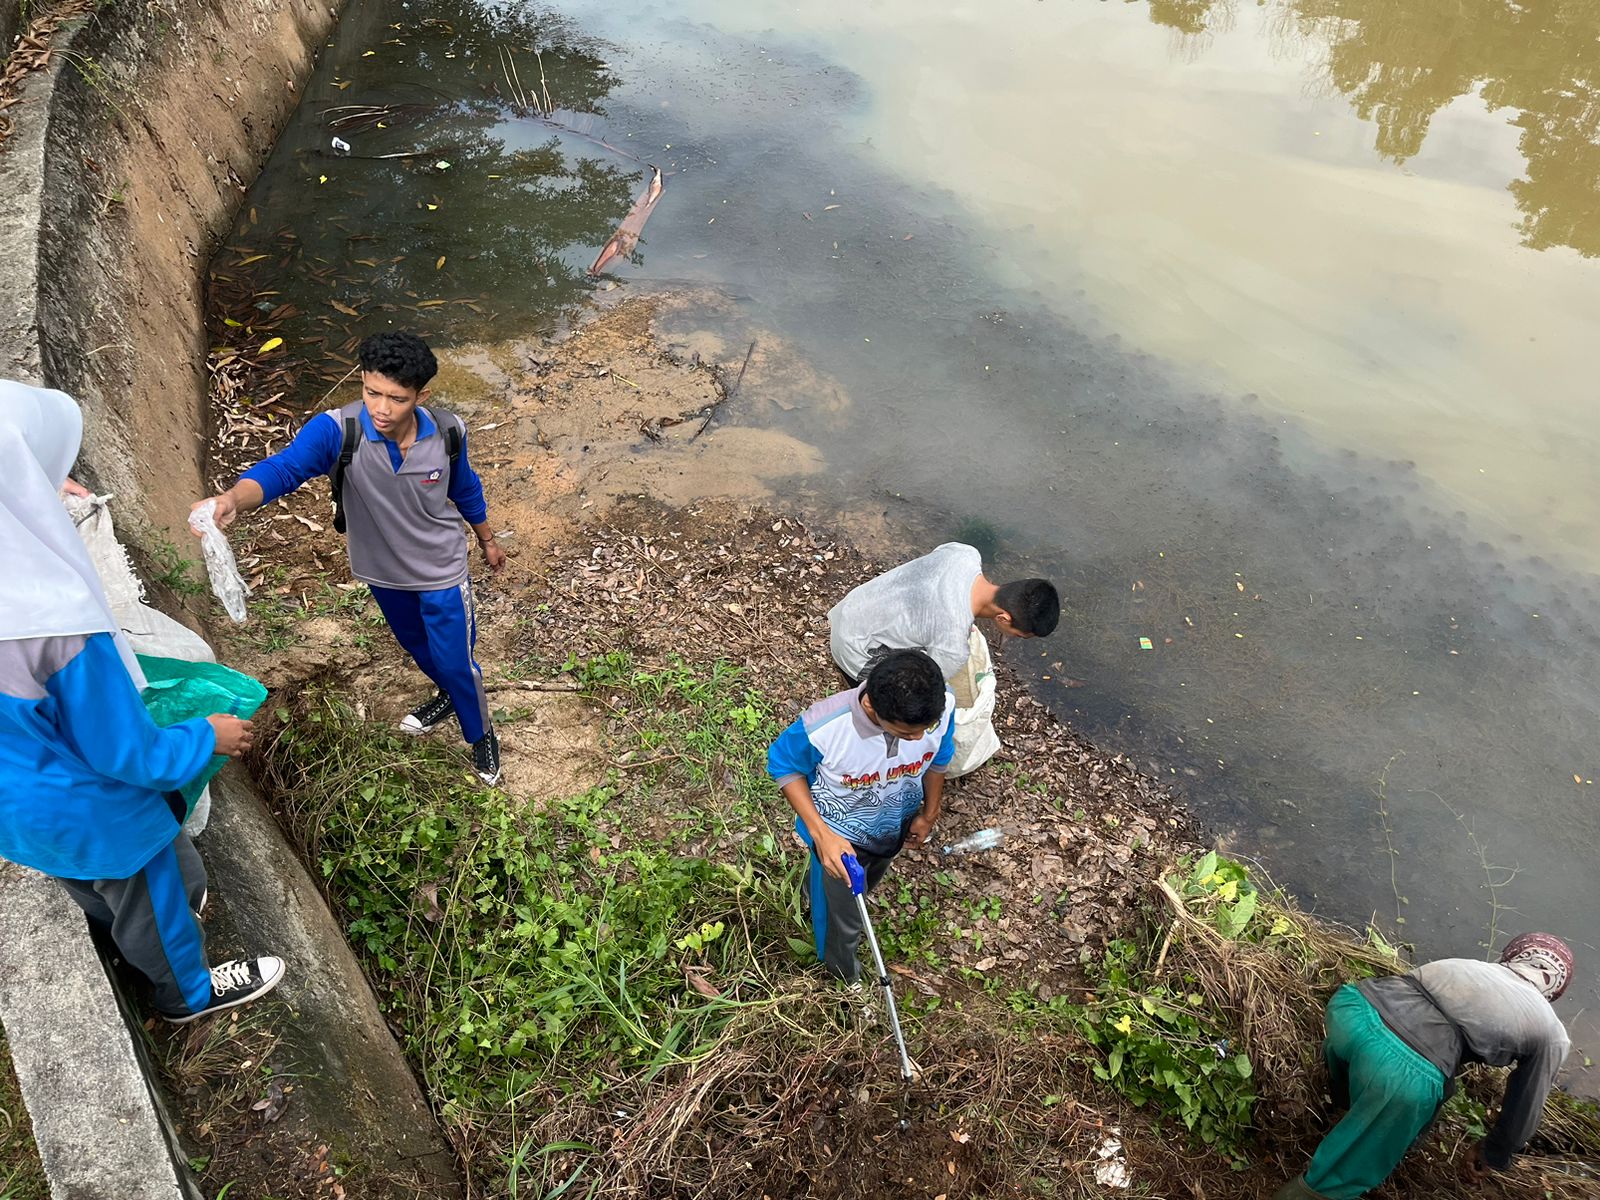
341	147
984	839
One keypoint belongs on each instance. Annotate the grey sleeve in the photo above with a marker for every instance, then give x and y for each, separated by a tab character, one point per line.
1523	1103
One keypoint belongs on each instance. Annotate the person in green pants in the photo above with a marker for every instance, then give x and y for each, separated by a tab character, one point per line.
1395	1043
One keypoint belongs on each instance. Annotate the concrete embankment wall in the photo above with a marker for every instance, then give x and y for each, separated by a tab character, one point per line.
128	159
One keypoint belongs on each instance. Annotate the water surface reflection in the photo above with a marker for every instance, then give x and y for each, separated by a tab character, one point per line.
1401	64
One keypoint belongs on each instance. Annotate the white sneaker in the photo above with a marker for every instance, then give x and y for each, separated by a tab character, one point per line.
234	983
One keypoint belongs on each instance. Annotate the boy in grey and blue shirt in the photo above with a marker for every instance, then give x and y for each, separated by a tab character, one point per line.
404	500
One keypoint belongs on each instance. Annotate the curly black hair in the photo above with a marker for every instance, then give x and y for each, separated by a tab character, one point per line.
906	687
402	357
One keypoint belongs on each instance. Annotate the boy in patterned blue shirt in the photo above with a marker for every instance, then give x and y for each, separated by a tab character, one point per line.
864	772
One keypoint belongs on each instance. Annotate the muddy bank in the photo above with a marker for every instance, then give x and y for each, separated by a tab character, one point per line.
637	539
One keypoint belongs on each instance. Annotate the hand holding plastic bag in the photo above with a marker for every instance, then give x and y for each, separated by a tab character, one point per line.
180	691
226	581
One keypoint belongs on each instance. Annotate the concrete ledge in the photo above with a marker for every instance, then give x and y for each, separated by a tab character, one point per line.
353	1089
94	1118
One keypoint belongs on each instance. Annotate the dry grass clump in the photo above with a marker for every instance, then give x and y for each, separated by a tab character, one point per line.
802	1099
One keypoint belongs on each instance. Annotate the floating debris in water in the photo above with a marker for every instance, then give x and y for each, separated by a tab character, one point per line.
621	244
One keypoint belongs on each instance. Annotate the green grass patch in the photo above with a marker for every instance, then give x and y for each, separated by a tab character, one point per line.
21	1176
617	987
529	952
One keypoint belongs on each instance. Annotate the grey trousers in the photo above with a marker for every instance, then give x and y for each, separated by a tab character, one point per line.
151	918
836	923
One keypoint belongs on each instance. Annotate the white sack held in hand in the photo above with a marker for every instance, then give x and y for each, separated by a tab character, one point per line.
976	740
226	581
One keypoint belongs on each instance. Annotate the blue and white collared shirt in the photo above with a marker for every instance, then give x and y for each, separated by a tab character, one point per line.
865	781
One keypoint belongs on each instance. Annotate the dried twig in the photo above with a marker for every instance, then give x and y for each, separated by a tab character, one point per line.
726	396
530	685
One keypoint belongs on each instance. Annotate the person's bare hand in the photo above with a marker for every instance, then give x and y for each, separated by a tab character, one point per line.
227	509
830	851
921	828
494	554
73	488
1472	1168
234	737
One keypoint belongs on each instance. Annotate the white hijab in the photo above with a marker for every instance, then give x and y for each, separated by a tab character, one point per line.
48	586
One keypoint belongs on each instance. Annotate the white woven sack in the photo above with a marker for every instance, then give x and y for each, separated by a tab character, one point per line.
976	740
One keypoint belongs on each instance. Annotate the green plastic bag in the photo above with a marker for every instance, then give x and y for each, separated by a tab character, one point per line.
176	691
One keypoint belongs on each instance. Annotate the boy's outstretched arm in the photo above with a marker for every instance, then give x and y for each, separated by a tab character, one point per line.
830	847
313	452
466	493
932	801
933	782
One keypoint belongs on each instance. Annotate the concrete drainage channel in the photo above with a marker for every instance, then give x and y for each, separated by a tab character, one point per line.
128	155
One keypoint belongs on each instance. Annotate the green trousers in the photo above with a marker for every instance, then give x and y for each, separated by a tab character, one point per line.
1394	1095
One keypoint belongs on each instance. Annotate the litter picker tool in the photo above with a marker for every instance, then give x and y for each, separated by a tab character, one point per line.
858	889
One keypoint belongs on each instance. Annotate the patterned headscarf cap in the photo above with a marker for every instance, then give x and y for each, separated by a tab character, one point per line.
1543	959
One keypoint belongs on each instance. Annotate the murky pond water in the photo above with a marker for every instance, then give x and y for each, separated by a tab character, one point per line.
1264	328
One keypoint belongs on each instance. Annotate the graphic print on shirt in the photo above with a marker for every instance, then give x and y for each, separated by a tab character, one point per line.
872	817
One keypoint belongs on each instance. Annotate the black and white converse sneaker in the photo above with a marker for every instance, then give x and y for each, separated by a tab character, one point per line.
235	983
486	758
428	714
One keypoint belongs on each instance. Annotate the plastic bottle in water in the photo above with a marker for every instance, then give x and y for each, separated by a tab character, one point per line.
984	839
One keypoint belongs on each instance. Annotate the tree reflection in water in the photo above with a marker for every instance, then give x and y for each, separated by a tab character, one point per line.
458	211
1400	63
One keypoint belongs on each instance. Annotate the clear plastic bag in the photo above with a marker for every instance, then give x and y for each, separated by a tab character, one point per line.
226	581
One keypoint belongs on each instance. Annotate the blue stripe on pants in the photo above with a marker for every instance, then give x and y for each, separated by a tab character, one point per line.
819	909
819	896
176	928
439	630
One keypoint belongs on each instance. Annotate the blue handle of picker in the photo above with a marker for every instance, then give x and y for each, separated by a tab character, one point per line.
858	876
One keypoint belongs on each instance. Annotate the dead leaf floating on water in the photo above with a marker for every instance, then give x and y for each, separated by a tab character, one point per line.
623	241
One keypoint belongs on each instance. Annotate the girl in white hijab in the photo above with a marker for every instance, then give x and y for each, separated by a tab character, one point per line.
85	774
48	586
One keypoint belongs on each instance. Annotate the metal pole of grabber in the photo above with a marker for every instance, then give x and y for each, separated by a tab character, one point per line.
858	888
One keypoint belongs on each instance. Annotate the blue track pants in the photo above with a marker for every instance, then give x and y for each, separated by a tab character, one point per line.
439	630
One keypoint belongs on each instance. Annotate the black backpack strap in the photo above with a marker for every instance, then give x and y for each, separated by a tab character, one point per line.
454	439
347	452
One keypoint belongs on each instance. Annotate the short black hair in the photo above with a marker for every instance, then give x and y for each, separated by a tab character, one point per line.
906	687
1033	604
402	357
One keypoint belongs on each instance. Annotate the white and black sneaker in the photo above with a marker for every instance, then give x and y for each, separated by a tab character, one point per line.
486	758
235	983
428	715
